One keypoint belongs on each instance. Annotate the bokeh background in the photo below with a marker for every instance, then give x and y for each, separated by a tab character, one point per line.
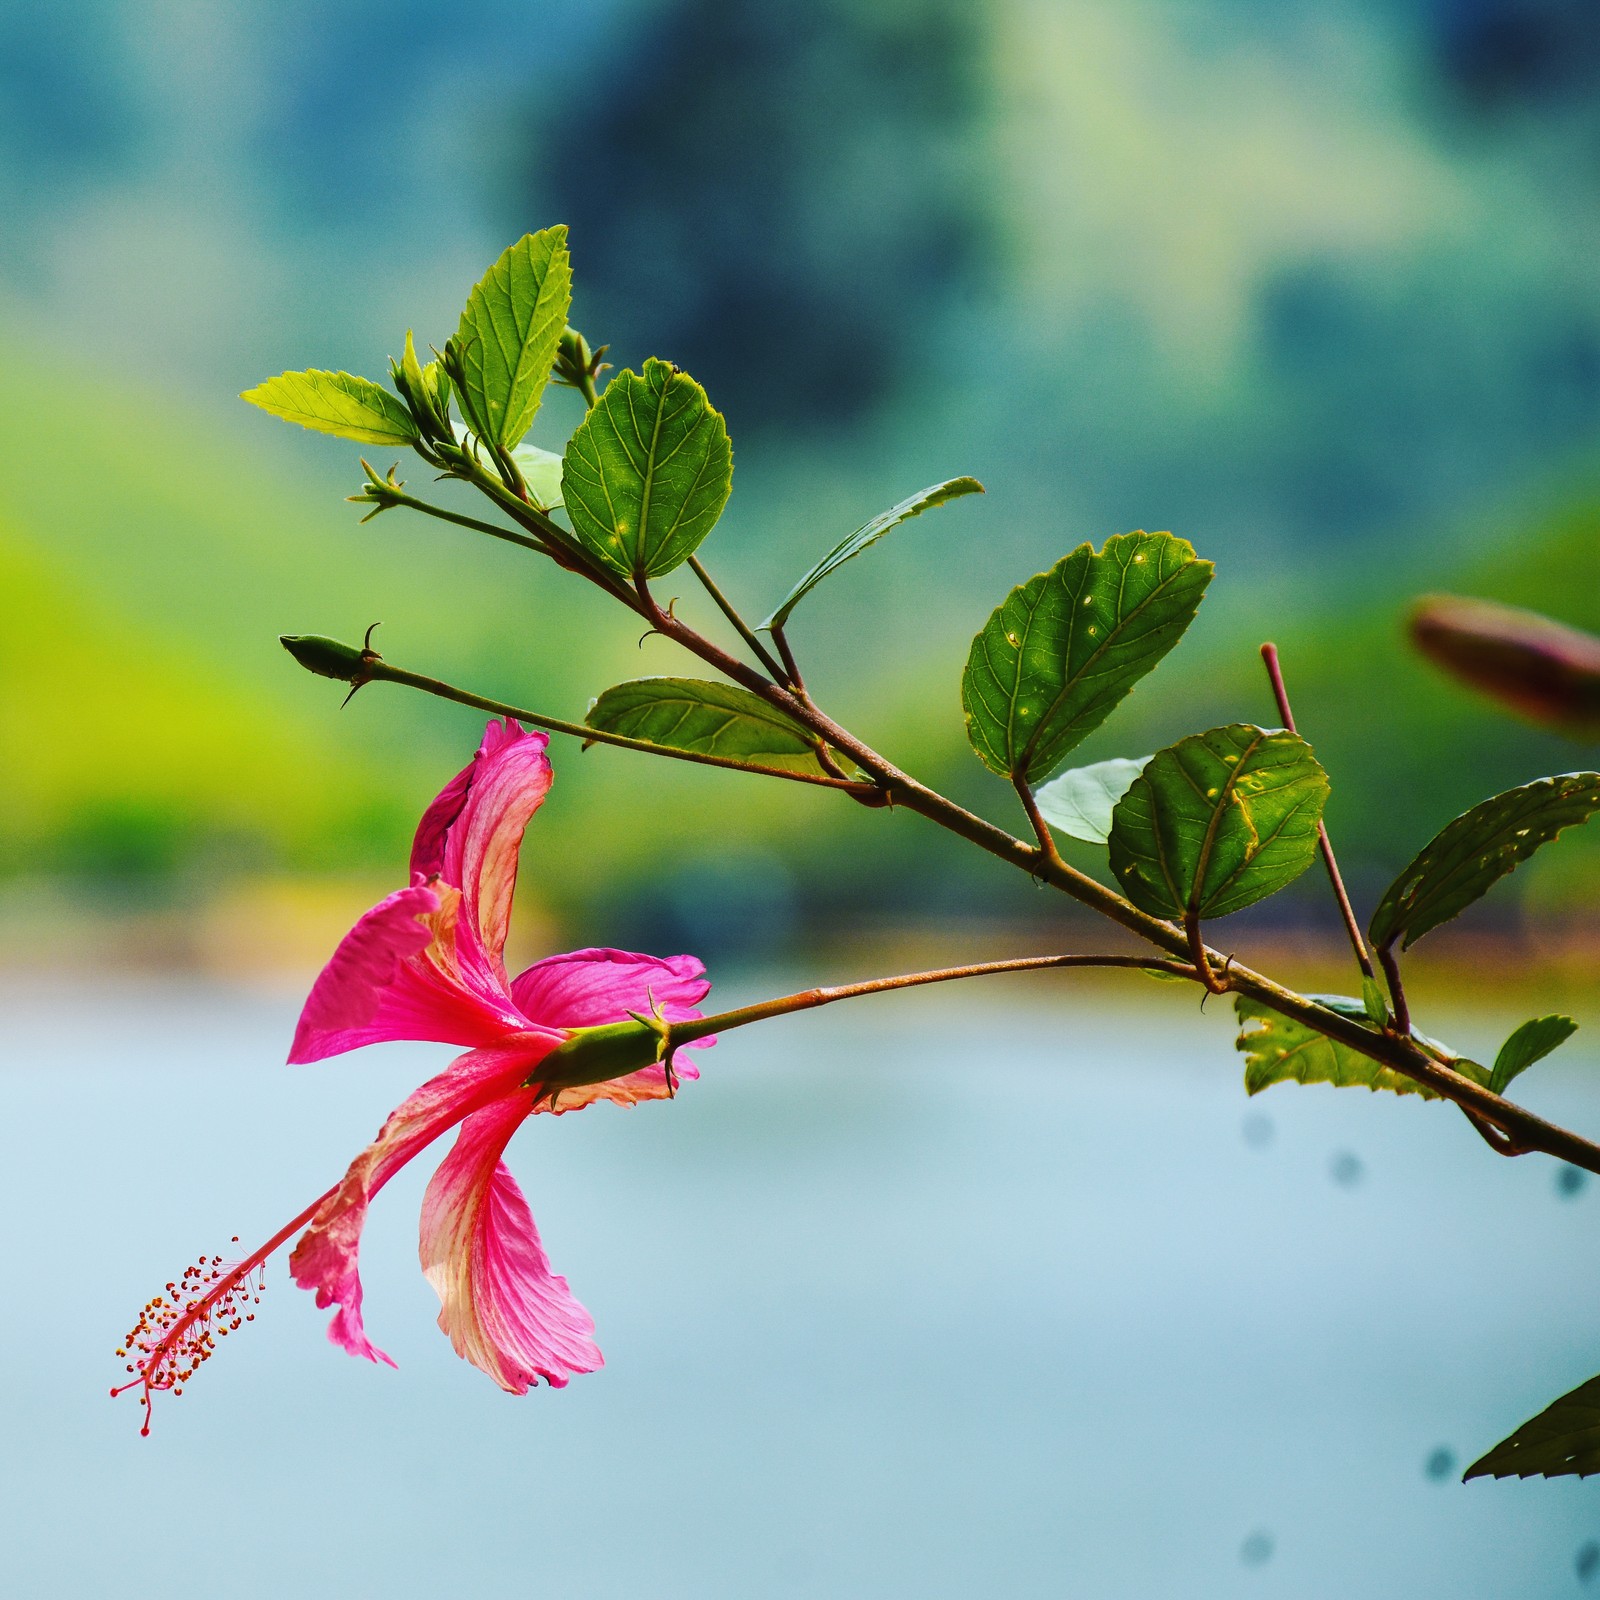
1313	285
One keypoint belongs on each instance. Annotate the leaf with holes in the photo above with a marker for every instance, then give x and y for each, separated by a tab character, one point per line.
338	403
1468	856
648	471
1532	1042
1218	821
712	719
1079	802
1051	664
1563	1441
508	334
870	533
1278	1049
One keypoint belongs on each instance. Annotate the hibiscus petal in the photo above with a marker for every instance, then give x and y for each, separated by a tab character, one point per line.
326	1258
506	784
588	988
503	1308
398	975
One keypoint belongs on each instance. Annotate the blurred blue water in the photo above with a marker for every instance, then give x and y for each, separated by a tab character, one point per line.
927	1301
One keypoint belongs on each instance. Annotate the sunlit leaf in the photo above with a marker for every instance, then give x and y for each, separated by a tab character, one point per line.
870	533
540	469
714	719
1079	801
1479	848
1278	1049
1563	1441
1532	1042
1065	647
338	403
508	335
1218	821
648	471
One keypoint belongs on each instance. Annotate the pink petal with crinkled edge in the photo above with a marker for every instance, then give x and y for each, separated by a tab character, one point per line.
326	1258
503	1308
398	975
506	784
588	988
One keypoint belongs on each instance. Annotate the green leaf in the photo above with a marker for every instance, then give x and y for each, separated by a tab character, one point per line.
1218	821
1563	1441
1066	646
1079	801
1278	1049
1373	1003
1533	1041
870	533
713	719
1468	856
541	471
508	335
336	402
648	471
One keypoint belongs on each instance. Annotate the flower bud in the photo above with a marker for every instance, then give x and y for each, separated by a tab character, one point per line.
597	1055
1540	669
328	658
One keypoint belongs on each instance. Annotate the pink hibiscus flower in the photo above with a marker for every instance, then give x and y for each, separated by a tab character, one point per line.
426	964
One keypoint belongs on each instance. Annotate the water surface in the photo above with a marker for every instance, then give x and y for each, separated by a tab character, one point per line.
925	1300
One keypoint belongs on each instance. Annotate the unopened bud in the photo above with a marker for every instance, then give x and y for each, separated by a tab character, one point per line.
1539	668
328	658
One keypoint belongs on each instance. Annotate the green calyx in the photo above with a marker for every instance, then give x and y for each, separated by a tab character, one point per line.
597	1055
329	658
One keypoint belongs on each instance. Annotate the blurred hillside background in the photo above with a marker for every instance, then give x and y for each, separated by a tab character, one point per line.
1314	285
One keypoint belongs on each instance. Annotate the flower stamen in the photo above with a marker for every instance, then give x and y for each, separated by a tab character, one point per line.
177	1330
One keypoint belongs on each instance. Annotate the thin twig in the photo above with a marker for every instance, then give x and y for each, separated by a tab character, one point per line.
1269	654
398	497
740	626
381	671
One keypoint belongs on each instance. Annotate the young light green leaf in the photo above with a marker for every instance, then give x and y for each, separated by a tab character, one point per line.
713	719
541	471
648	471
508	335
1563	1441
1278	1049
1079	801
870	533
1372	1001
1533	1041
1468	856
1218	821
338	403
1064	648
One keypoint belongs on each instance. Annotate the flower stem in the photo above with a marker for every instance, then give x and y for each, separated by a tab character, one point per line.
680	1033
